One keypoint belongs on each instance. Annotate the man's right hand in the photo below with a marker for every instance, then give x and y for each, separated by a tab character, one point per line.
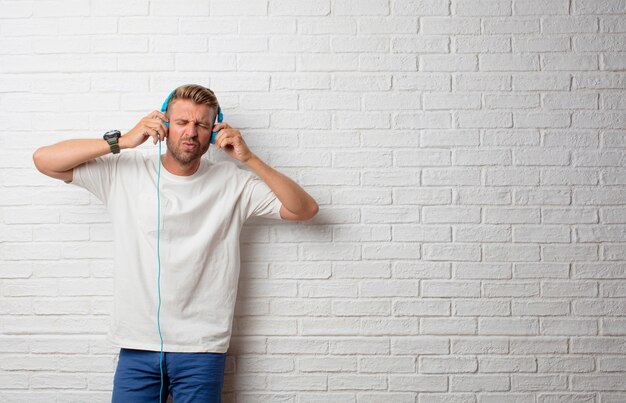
151	125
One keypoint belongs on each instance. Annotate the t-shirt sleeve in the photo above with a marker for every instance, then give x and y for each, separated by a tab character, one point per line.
96	176
259	200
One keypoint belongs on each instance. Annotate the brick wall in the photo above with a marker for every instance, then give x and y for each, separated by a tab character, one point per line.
468	157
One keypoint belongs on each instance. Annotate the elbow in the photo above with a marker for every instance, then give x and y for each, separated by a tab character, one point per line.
38	160
313	210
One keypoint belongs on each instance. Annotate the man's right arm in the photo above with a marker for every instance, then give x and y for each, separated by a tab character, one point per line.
59	160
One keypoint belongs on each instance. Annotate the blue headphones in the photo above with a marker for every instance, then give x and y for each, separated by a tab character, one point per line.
220	116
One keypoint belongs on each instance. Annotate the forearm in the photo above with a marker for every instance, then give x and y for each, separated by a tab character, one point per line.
68	154
290	194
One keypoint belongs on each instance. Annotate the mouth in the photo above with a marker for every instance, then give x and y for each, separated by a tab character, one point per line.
189	145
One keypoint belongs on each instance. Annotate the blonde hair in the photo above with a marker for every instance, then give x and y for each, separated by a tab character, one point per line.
197	94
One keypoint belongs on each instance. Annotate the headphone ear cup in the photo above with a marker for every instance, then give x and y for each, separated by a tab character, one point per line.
220	118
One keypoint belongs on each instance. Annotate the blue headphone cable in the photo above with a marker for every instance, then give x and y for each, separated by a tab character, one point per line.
159	271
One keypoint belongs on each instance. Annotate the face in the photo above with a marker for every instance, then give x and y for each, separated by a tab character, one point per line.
190	130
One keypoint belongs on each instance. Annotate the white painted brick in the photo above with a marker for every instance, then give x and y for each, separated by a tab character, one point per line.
448	288
568	327
513	326
327	364
569	62
510	289
479	383
480	345
324	25
598	382
387	364
565	364
422	81
541	44
261	25
486	157
468	119
454	101
451	326
570	24
540	308
610	23
449	26
475	307
305	8
504	252
297	382
238	7
482	270
365	345
538	382
422	158
389	288
361	270
422	7
425	44
433	270
611	364
482	8
419	233
482	44
426	307
451	63
612	61
543	81
423	120
523	25
445	365
498	62
356	7
538	7
349	82
388	25
386	62
507	397
592	7
512	177
309	43
390	101
506	364
538	345
611	101
482	196
360	44
451	214
418	383
361	308
435	196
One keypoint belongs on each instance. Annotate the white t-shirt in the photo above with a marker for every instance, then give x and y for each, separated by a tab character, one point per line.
201	219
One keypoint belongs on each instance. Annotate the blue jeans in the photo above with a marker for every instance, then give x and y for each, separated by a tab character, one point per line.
189	377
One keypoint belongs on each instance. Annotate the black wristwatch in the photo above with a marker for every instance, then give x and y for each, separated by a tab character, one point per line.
112	137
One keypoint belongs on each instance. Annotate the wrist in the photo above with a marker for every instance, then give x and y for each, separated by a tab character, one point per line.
122	142
253	159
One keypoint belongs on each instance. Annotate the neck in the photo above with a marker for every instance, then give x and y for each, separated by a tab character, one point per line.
176	168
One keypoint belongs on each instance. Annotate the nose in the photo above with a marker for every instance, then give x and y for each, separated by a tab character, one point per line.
191	131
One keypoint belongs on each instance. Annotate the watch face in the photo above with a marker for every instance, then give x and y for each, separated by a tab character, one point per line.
113	134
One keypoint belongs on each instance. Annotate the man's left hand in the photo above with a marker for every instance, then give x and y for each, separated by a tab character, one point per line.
230	140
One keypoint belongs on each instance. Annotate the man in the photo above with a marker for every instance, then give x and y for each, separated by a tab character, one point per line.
183	250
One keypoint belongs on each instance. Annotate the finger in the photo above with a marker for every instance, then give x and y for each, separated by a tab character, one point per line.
157	134
161	129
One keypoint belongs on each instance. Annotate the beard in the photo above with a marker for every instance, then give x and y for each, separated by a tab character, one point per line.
185	157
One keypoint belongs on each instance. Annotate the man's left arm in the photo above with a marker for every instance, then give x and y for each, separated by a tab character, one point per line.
296	203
